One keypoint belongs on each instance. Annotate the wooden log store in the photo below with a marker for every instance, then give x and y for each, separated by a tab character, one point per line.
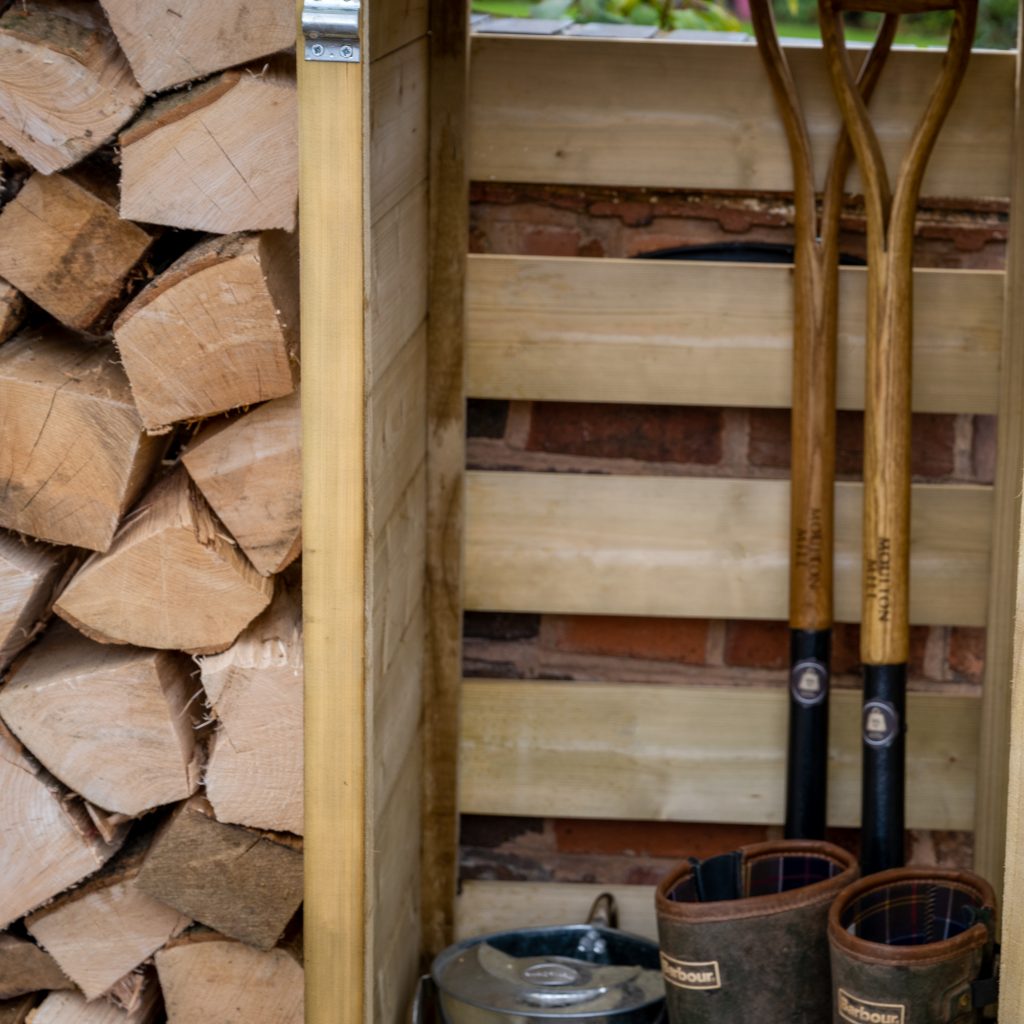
236	732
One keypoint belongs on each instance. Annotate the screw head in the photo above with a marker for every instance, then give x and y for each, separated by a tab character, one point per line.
317	50
347	52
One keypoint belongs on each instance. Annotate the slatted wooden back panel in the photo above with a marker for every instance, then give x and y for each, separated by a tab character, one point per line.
666	113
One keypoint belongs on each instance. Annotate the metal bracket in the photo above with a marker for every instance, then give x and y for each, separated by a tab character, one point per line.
330	29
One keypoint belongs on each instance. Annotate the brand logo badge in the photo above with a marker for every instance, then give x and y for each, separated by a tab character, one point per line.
881	723
702	977
863	1011
808	682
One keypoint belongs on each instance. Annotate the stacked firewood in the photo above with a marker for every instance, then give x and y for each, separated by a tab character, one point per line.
150	625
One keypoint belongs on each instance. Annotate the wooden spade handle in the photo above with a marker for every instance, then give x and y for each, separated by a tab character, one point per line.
815	313
890	220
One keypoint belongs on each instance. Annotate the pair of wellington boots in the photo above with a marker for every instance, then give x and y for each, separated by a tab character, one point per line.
785	933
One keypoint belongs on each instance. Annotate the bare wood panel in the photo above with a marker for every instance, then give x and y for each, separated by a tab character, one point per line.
398	125
484	907
332	219
618	545
604	330
708	117
394	24
690	753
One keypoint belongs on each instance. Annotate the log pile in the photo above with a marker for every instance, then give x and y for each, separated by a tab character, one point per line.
150	486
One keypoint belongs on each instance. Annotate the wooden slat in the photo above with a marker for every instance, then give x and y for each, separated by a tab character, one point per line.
657	752
333	395
446	461
665	113
991	840
609	330
485	907
684	546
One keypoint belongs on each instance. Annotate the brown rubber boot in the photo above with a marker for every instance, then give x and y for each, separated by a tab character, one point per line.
743	936
913	946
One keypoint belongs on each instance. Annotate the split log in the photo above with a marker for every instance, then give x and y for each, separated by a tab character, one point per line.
16	1011
25	968
254	771
222	157
31	575
169	45
250	471
111	723
74	453
241	882
12	309
67	249
65	86
171	579
49	843
72	1008
217	331
101	931
213	979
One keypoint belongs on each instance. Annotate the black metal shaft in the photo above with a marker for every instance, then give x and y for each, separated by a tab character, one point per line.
883	724
807	763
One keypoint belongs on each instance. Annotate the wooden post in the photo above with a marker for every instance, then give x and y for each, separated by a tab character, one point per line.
991	815
331	149
446	460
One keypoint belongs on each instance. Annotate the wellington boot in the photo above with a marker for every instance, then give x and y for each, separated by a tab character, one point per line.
913	946
743	935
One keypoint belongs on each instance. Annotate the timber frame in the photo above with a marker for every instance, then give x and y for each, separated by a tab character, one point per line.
400	327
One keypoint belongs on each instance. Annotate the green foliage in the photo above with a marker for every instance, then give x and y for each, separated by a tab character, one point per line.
666	14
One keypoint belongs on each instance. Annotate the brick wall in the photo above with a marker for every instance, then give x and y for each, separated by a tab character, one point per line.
690	441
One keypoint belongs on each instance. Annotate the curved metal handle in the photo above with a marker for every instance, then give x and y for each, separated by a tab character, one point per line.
604	911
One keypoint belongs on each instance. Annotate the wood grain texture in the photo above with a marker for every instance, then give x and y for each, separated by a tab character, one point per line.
75	454
169	46
250	471
50	842
609	545
217	330
68	250
231	983
31	575
221	157
244	883
497	906
333	225
446	460
661	332
72	1008
709	119
253	772
13	310
65	86
17	1010
25	968
105	931
171	579
997	847
656	752
111	723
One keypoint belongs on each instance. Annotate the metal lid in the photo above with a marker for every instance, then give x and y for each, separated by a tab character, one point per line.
542	984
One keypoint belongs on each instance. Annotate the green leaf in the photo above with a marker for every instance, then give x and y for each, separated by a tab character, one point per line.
645	14
504	8
551	8
598	10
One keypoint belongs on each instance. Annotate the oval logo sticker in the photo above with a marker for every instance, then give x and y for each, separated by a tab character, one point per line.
881	723
808	682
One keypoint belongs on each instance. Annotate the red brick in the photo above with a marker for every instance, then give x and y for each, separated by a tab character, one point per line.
677	640
983	449
918	650
756	644
685	435
846	648
967	653
768	443
652	838
550	241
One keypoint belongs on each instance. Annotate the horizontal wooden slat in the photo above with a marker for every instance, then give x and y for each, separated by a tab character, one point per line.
685	546
661	332
665	113
657	752
485	907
